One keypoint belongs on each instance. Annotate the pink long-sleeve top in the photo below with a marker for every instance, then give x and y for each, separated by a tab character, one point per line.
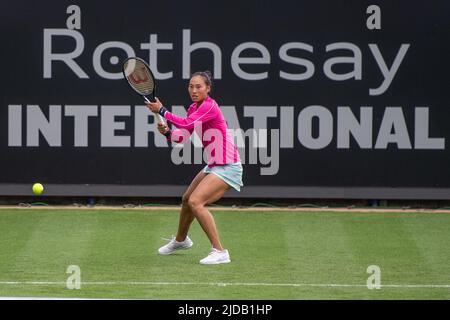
209	123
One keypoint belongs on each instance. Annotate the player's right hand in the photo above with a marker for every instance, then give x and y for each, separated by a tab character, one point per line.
154	106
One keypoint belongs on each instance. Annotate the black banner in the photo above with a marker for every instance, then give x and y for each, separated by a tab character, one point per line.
323	93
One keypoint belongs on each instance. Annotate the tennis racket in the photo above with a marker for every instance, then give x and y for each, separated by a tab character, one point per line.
141	79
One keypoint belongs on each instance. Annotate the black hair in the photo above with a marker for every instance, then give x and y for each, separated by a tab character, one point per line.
206	75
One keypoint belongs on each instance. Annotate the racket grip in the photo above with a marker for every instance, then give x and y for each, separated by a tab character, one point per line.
159	117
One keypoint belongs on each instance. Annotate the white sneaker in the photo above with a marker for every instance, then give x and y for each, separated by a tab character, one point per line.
175	245
216	257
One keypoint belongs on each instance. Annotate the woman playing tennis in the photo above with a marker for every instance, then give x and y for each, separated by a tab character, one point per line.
223	171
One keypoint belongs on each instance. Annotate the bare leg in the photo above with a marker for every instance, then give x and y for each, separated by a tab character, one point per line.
210	189
186	215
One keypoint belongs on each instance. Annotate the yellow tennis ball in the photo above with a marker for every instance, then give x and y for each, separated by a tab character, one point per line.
38	188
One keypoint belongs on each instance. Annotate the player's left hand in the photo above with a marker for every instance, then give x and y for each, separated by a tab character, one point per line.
154	106
163	128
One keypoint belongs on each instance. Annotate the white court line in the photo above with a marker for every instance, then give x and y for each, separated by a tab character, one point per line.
225	284
51	298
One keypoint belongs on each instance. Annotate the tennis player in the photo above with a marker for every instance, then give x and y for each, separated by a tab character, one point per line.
222	172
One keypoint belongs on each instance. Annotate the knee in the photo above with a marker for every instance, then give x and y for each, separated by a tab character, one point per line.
194	203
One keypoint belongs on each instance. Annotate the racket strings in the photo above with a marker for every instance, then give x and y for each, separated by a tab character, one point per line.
139	77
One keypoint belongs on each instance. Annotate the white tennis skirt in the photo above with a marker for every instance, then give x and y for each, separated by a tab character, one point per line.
231	173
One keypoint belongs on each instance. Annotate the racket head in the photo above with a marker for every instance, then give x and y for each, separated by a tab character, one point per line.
139	76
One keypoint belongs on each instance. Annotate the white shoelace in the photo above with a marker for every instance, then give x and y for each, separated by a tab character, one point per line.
214	251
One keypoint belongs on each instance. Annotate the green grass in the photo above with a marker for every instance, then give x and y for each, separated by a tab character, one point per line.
266	247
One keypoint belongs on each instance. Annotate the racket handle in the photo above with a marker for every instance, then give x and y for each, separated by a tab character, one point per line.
157	115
